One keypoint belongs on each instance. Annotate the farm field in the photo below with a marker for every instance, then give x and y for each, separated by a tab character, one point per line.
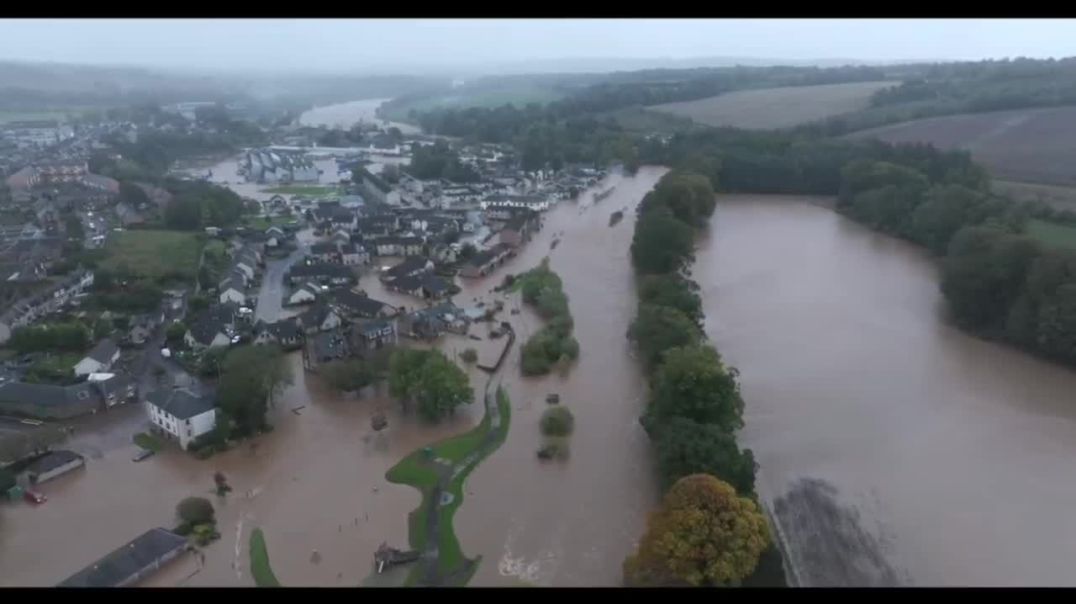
154	254
518	94
1057	196
1057	235
772	108
1025	145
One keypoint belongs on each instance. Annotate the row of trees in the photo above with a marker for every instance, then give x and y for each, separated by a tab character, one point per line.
430	380
440	161
197	204
553	343
708	530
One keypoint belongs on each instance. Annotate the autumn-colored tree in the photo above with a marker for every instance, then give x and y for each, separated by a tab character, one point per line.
704	534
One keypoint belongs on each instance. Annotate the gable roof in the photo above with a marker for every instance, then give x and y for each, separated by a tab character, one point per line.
316	315
207	327
52	460
409	266
358	304
181	403
320	269
103	351
49	395
127	560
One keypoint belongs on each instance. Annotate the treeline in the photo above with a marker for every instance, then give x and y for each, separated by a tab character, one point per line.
695	406
197	204
553	344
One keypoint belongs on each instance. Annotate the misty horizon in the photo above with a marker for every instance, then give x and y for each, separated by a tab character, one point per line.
465	46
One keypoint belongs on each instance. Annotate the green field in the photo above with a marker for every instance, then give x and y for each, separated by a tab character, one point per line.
263	222
259	561
155	254
1049	233
308	190
414	470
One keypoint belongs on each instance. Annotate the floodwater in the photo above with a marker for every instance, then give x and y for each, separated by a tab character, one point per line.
346	115
894	448
316	482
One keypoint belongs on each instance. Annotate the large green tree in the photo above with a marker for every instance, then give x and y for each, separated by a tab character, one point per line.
250	377
692	382
672	290
661	243
703	534
429	379
686	447
659	328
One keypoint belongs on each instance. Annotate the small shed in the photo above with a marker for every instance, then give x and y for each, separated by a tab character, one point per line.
55	463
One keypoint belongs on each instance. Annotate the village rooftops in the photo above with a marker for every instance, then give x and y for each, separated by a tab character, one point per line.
181	403
130	561
358	304
321	269
103	351
48	395
410	266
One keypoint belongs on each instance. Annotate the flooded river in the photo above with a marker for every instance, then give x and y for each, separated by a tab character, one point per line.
346	115
894	448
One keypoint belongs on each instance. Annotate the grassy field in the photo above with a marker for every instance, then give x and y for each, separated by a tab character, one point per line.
1024	145
1057	196
263	222
414	470
1057	235
148	442
771	108
154	254
259	561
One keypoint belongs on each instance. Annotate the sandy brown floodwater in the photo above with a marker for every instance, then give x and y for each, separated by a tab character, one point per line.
894	447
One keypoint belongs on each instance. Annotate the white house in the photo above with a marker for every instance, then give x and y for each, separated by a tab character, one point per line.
101	358
181	414
304	295
352	254
232	291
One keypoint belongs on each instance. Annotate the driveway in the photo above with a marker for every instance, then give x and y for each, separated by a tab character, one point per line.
271	293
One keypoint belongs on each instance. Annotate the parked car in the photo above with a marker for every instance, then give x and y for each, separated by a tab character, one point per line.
34	497
143	454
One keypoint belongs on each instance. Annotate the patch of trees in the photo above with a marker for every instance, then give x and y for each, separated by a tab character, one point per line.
198	204
694	406
120	291
250	377
429	162
702	534
63	337
553	344
430	380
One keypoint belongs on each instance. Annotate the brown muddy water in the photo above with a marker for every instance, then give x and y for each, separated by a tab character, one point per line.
894	448
317	481
346	115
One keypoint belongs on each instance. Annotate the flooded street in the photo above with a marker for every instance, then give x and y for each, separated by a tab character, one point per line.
893	447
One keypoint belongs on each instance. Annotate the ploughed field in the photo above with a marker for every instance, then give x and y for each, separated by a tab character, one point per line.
772	108
1026	145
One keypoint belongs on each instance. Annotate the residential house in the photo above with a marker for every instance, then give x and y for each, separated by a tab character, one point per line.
212	328
29	309
319	318
374	335
484	262
232	291
99	359
142	327
325	252
360	306
375	189
305	294
181	414
429	323
410	267
398	246
327	347
424	285
519	229
115	389
380	225
324	273
286	332
49	401
352	254
53	464
131	562
532	202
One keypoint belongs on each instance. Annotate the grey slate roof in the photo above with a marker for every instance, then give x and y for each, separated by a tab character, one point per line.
103	351
133	557
52	460
357	304
181	403
409	266
47	395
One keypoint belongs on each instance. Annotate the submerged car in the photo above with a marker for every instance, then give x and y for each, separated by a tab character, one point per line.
34	497
143	454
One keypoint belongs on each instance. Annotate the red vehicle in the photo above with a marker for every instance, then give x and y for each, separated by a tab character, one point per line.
34	497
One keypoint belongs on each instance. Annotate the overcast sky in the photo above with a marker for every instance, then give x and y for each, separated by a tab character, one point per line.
353	44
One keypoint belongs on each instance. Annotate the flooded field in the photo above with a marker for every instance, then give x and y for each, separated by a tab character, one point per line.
894	448
346	115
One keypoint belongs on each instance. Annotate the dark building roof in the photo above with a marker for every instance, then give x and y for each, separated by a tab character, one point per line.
329	346
181	403
410	266
320	269
52	460
48	395
316	315
372	328
103	351
206	328
323	248
393	240
120	565
115	384
284	329
357	304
